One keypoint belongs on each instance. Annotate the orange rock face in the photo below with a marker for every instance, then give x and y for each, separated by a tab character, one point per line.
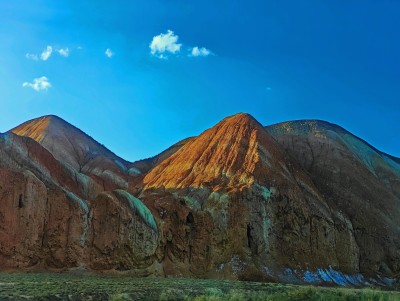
231	154
296	202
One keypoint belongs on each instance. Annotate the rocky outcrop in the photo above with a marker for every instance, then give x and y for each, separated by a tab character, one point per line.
123	232
48	221
303	201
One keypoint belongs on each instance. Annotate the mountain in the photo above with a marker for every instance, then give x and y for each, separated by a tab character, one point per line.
68	143
234	153
297	202
51	174
76	149
316	133
355	179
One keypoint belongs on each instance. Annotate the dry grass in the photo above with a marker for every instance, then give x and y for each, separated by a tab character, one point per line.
38	286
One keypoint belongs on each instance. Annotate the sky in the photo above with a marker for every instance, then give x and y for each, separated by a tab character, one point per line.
138	76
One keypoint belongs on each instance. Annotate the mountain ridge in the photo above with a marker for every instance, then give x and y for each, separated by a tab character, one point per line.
33	128
181	142
333	125
239	201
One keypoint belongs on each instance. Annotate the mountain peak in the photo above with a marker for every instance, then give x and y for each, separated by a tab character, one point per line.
241	119
39	128
66	142
55	118
236	152
241	115
51	116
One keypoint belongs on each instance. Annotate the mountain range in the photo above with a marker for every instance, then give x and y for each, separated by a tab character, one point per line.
296	202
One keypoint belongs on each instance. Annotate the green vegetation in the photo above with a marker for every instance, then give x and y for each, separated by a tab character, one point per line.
62	286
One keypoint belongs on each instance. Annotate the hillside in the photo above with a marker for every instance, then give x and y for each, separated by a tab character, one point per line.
297	202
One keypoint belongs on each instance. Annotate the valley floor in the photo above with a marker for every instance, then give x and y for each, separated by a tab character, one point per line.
63	286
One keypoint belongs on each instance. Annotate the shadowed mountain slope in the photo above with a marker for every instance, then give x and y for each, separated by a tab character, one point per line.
355	179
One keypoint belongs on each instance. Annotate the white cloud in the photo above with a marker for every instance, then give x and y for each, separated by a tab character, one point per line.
38	84
165	43
63	52
196	51
109	53
46	53
31	56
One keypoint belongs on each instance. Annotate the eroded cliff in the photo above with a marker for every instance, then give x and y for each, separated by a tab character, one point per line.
303	201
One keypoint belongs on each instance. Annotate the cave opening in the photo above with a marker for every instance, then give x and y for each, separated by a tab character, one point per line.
249	236
20	201
190	219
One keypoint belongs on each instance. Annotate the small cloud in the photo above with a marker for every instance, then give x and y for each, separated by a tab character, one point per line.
31	56
165	43
63	52
38	84
269	88
196	51
109	53
46	53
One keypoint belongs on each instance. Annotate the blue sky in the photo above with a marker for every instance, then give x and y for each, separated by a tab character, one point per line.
277	60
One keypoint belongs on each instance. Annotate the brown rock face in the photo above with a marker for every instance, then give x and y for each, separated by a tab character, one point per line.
46	219
303	201
21	218
76	150
357	180
123	233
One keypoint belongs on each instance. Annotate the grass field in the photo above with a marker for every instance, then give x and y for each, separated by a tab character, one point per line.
38	286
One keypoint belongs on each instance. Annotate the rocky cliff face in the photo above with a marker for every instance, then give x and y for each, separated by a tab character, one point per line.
48	220
355	179
303	201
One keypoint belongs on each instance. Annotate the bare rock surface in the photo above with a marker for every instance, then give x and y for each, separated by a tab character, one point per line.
302	201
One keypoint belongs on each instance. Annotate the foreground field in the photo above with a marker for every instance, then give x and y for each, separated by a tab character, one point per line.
34	286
